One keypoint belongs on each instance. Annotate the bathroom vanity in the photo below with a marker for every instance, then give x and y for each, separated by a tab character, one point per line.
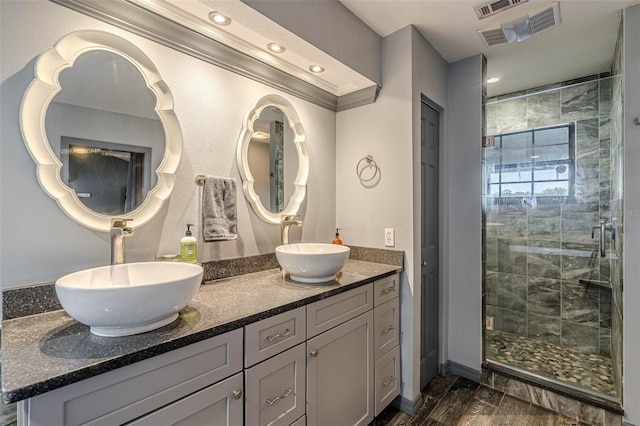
256	349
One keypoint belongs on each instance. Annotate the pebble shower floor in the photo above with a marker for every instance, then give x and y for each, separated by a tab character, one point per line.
590	371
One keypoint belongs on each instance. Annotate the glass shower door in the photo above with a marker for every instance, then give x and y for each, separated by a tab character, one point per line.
548	286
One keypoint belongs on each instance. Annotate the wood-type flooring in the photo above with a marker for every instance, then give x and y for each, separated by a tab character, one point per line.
456	401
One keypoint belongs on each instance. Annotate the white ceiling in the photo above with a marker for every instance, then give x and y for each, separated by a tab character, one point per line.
250	32
581	45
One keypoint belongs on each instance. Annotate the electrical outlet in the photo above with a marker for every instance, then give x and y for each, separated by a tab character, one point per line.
389	237
489	323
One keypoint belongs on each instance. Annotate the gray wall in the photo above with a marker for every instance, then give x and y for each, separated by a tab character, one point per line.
332	28
430	79
464	210
389	130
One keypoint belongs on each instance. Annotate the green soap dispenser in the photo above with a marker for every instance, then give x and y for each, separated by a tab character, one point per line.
188	246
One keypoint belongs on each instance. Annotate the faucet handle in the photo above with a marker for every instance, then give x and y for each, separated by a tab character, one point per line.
119	222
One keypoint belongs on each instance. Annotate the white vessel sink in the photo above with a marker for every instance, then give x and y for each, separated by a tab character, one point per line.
131	298
312	262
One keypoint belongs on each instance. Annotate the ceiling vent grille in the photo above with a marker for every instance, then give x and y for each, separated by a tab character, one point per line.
491	8
523	28
546	19
493	37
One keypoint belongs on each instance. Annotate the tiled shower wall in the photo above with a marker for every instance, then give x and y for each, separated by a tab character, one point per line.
535	257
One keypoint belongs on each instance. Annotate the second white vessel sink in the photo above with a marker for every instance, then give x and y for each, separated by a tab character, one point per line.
312	262
130	298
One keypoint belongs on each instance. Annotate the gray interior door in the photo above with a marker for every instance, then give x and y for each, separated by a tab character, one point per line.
430	131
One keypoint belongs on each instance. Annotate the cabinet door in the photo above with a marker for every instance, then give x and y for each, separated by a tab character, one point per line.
217	405
340	374
275	390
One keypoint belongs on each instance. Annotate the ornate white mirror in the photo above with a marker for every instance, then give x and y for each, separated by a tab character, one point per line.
272	158
98	121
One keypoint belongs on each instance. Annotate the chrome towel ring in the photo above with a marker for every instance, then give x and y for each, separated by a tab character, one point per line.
370	163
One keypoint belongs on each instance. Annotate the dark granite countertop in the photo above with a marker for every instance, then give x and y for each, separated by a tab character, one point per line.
47	351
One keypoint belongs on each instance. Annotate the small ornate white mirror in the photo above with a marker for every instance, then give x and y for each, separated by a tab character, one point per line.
272	158
98	120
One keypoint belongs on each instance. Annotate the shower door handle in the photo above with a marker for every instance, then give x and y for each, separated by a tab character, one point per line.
603	229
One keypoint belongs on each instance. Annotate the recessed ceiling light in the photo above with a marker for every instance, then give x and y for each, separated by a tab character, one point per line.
275	48
493	80
316	69
219	19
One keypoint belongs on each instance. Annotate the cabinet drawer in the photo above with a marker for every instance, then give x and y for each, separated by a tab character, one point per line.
387	379
127	393
387	327
220	405
273	335
386	289
275	389
328	313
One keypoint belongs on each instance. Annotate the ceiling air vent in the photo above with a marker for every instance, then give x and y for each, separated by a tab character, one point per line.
492	37
491	8
523	28
546	19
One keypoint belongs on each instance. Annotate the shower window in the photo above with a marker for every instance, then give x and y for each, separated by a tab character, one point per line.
534	162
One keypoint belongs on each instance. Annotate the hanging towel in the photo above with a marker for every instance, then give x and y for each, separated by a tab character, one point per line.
219	217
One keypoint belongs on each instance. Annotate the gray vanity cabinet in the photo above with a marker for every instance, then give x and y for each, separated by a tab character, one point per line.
340	363
189	379
333	362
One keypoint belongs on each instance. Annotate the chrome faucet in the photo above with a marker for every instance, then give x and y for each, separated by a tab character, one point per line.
119	231
287	221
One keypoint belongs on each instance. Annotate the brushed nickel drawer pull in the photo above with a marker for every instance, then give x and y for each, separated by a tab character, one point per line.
389	290
286	333
237	394
287	392
389	380
388	329
313	353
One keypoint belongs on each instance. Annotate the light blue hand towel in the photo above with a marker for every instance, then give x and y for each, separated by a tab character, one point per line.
219	214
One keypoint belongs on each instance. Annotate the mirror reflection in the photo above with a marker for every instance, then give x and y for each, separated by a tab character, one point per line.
274	174
103	127
273	159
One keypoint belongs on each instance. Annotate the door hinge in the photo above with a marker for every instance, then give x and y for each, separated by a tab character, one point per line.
489	323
